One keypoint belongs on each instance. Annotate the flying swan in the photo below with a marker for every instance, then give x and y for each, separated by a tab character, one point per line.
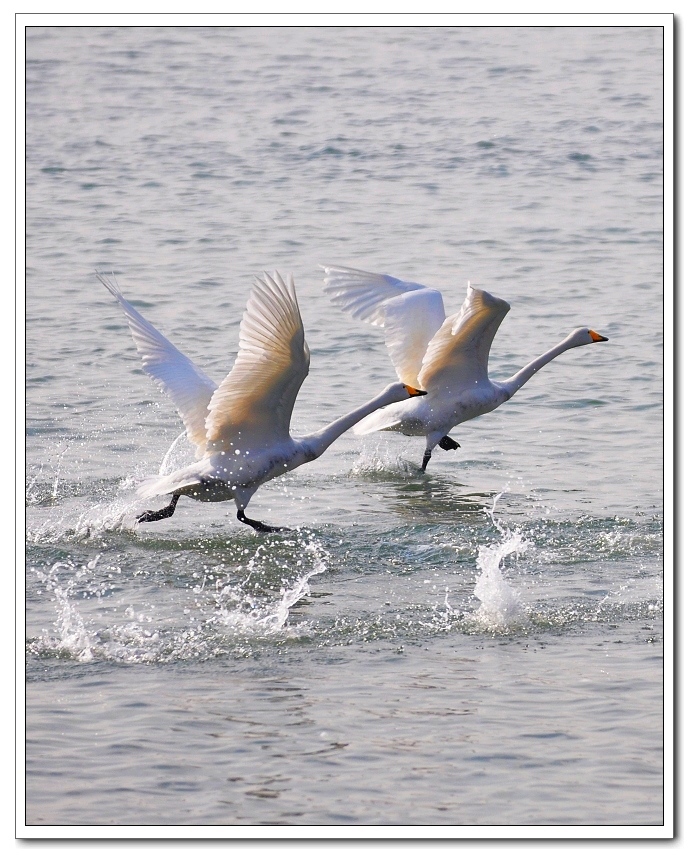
241	427
445	356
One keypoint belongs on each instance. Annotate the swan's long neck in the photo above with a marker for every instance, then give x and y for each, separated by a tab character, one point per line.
318	442
512	385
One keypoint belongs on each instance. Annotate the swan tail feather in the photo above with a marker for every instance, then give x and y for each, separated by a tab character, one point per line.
156	486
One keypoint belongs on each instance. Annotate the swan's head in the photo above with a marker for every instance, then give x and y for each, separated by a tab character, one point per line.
397	392
584	336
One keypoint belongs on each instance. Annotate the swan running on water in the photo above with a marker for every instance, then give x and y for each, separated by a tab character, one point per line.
241	427
446	356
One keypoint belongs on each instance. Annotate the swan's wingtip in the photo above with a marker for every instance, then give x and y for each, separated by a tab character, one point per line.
110	282
276	284
266	280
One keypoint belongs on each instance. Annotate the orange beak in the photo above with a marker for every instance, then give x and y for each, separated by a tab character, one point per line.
413	391
596	337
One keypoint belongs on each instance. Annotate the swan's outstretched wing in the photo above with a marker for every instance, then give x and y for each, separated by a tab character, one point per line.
253	405
410	313
457	356
188	387
361	293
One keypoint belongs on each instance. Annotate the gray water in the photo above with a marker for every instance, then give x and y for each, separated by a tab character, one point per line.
477	646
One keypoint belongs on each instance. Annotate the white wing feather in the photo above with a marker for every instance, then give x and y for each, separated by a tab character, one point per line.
188	387
361	293
411	321
253	405
457	356
409	312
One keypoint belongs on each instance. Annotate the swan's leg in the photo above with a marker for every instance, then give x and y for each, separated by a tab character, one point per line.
448	444
257	524
433	439
162	514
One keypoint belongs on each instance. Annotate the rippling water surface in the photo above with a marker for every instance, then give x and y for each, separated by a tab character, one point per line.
480	645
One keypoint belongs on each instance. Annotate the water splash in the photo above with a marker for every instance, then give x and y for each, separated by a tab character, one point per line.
224	617
40	489
114	516
501	606
175	458
74	639
57	469
74	521
254	617
381	460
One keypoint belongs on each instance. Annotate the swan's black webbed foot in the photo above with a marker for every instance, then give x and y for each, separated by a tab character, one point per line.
162	514
426	458
258	525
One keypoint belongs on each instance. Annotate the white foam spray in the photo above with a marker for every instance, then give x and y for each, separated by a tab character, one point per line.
171	460
96	632
255	617
501	606
381	459
73	637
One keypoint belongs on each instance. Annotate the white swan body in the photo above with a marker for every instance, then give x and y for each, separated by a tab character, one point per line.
445	355
241	427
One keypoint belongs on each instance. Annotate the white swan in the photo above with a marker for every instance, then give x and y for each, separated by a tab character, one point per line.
241	428
446	356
